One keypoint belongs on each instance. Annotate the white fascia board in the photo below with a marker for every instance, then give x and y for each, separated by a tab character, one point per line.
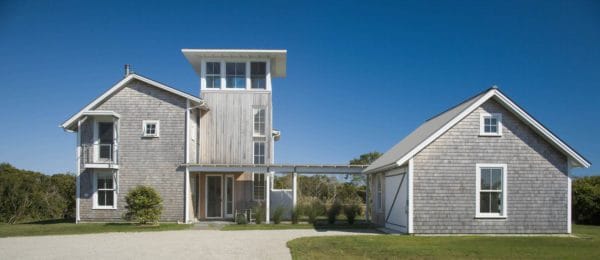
515	109
118	86
218	51
445	128
542	130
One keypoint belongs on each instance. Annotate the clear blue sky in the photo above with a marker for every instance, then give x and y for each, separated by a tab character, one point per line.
360	76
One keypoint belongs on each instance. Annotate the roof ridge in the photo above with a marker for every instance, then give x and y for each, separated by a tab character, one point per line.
464	101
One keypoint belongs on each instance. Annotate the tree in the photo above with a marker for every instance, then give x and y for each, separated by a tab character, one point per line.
144	205
366	158
586	200
28	196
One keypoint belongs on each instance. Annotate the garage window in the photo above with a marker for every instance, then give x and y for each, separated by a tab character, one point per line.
491	191
379	198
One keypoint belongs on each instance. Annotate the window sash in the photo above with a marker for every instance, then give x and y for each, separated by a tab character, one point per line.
259	184
491	191
259	152
259	122
258	75
105	190
235	76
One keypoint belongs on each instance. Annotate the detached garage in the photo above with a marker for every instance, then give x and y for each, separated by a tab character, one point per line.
484	166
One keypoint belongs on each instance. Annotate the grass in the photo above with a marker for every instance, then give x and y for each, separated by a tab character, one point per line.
63	227
585	246
319	226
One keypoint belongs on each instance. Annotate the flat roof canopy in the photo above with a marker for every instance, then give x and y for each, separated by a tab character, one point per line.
265	168
278	57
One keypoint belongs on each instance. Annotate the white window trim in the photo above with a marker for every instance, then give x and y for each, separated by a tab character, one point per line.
95	196
478	167
498	117
157	132
264	186
223	74
264	142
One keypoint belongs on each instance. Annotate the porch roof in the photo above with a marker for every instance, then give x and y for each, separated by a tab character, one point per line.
265	168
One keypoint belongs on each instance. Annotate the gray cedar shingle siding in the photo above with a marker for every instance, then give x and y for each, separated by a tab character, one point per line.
144	161
444	179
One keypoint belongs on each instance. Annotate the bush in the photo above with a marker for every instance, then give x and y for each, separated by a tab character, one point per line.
586	200
240	219
351	211
312	208
334	210
144	205
295	215
278	214
259	214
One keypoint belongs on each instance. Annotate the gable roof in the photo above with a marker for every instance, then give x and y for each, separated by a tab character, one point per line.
70	123
438	125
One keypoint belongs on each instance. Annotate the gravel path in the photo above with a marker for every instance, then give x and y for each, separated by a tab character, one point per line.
188	244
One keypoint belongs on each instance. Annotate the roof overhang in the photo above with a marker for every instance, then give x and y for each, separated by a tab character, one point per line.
278	58
265	168
71	123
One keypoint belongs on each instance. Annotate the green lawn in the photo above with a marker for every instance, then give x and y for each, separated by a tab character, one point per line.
67	228
585	246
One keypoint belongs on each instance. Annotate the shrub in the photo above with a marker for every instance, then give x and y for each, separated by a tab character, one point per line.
144	205
295	215
312	208
586	200
259	214
278	214
334	210
351	211
240	219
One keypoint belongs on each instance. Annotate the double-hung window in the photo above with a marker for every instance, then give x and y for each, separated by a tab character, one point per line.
235	74
258	75
491	191
213	75
259	152
105	191
490	124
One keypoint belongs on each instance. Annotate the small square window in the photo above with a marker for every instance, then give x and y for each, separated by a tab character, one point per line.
151	128
490	124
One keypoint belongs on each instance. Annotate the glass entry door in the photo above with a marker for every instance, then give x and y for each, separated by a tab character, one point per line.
214	196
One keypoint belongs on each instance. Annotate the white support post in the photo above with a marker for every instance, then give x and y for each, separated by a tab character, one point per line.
267	197
411	228
186	160
294	190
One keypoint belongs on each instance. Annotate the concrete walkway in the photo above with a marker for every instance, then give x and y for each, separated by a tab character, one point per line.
188	244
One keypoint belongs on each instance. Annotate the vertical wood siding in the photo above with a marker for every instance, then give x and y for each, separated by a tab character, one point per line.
226	130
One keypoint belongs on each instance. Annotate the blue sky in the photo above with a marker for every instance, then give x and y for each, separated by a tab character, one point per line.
361	76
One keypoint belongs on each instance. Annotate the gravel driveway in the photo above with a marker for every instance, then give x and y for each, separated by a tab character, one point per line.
188	244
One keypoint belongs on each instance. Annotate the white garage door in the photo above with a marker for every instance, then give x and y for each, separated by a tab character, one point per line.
396	202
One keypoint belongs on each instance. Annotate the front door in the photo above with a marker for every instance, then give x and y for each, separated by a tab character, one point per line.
214	196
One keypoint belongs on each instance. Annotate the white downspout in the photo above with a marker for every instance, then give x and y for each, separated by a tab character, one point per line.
268	197
78	171
569	198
